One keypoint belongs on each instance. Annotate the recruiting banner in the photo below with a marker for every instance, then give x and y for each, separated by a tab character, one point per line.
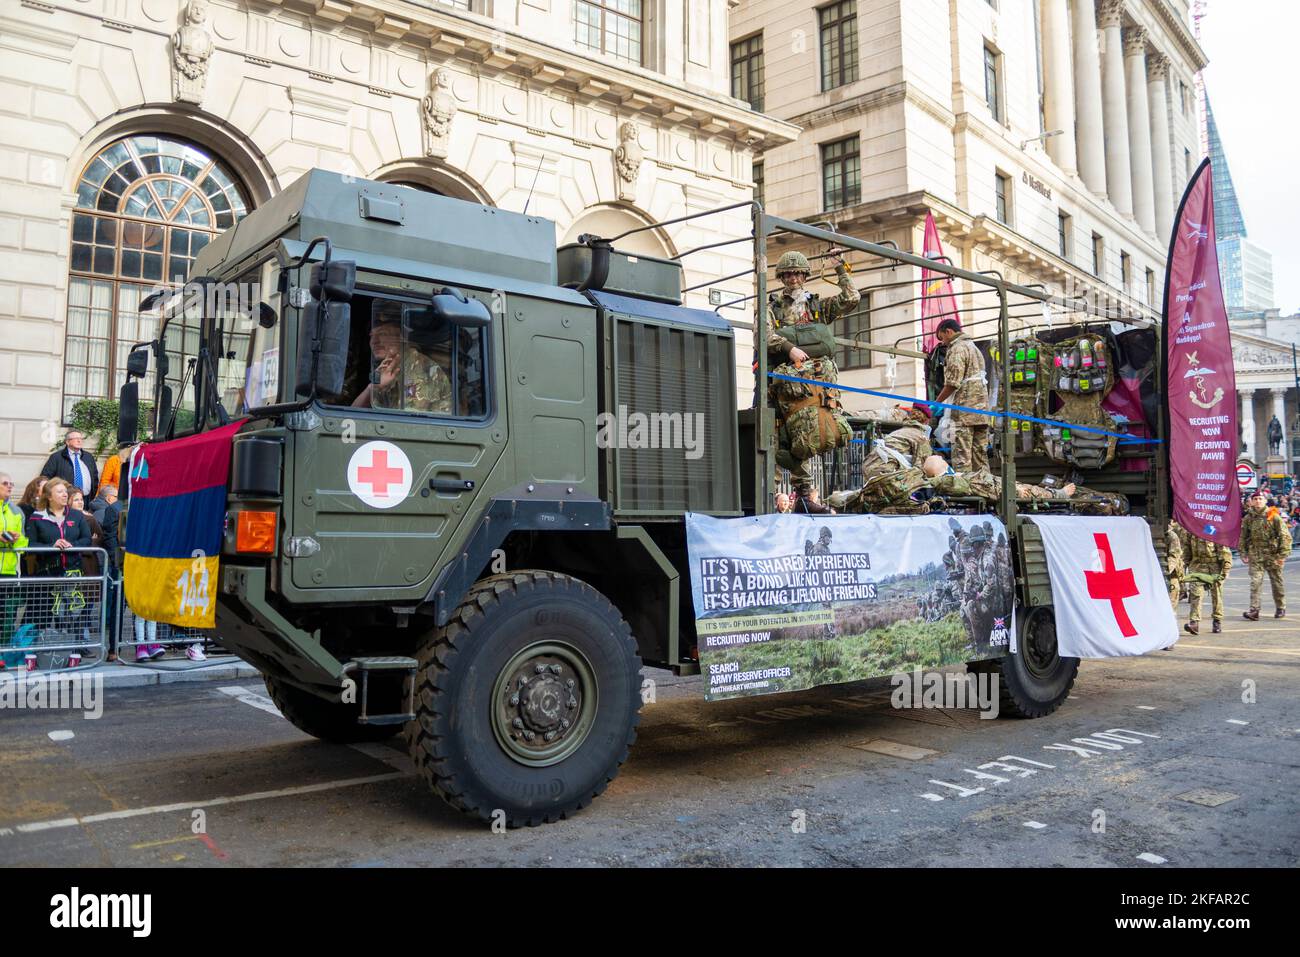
1201	383
787	602
1108	593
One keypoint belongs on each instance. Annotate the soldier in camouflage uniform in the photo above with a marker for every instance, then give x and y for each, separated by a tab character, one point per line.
1175	570
965	382
1207	564
410	376
988	486
795	305
891	469
1265	544
822	547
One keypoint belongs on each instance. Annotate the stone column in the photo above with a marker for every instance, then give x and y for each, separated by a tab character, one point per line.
1161	143
1139	128
1279	410
1091	139
1058	93
1119	174
1246	418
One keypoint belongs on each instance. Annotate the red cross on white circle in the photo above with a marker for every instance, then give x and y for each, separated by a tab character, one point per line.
380	474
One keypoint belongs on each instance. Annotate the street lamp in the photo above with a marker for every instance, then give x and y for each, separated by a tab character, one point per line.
1040	136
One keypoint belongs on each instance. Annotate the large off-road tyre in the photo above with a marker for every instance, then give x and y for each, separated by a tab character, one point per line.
327	720
1034	681
527	700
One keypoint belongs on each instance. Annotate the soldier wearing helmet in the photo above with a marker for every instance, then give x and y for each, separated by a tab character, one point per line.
795	306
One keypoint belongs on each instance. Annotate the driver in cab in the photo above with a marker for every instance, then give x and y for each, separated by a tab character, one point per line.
411	375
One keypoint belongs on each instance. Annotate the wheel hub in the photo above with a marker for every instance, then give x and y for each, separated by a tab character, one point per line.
544	703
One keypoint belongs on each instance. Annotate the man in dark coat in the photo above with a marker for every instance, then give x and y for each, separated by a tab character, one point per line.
74	464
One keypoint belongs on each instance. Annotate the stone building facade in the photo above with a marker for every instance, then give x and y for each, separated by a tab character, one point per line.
134	130
1050	139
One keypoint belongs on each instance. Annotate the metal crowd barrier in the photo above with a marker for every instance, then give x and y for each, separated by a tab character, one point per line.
133	631
52	621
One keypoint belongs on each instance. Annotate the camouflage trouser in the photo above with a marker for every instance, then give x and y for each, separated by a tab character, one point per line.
1258	569
970	451
799	469
1175	590
1196	589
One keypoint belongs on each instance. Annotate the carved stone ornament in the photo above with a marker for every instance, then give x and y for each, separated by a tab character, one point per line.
627	160
438	109
191	50
1256	356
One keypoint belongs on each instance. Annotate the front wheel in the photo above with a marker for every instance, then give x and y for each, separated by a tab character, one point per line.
527	700
1036	679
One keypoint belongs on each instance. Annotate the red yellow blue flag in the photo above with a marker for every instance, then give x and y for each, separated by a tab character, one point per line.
174	526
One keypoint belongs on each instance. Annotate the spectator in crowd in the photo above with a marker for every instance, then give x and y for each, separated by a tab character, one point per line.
12	538
31	495
54	525
108	522
106	497
77	503
112	474
783	503
144	650
73	464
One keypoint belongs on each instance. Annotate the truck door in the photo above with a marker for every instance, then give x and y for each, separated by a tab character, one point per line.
380	481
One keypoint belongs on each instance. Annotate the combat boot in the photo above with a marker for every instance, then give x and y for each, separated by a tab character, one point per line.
1192	628
1252	615
1280	613
1217	628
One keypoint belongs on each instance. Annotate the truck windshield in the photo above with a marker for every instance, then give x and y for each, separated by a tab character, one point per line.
180	338
245	356
248	355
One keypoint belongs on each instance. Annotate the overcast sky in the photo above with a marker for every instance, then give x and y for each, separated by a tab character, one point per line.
1252	46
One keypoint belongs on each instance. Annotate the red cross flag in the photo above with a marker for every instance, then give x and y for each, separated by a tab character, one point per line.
379	473
1108	592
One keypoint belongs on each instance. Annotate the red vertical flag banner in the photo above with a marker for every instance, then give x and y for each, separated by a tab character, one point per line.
1201	385
939	302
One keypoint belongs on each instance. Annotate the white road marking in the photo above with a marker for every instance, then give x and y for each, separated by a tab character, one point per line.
61	735
253	699
1237	721
1145	707
931	797
1151	858
1036	825
62	822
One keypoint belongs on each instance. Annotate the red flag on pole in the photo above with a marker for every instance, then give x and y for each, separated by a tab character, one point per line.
1201	384
939	302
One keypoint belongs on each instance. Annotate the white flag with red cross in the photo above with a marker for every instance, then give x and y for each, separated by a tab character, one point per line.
1109	595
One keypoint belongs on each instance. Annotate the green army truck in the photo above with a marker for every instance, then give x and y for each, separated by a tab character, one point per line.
436	522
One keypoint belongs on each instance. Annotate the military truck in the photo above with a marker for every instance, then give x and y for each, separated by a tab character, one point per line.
477	554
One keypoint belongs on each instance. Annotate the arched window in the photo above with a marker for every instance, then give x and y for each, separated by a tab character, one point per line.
146	205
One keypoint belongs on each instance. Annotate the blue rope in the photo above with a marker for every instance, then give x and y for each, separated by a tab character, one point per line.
1123	439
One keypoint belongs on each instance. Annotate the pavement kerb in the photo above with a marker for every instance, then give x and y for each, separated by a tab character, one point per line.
116	675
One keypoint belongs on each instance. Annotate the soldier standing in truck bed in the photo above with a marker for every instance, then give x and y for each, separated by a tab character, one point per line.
794	305
965	382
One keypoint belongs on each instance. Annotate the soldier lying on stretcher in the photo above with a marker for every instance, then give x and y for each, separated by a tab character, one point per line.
910	489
